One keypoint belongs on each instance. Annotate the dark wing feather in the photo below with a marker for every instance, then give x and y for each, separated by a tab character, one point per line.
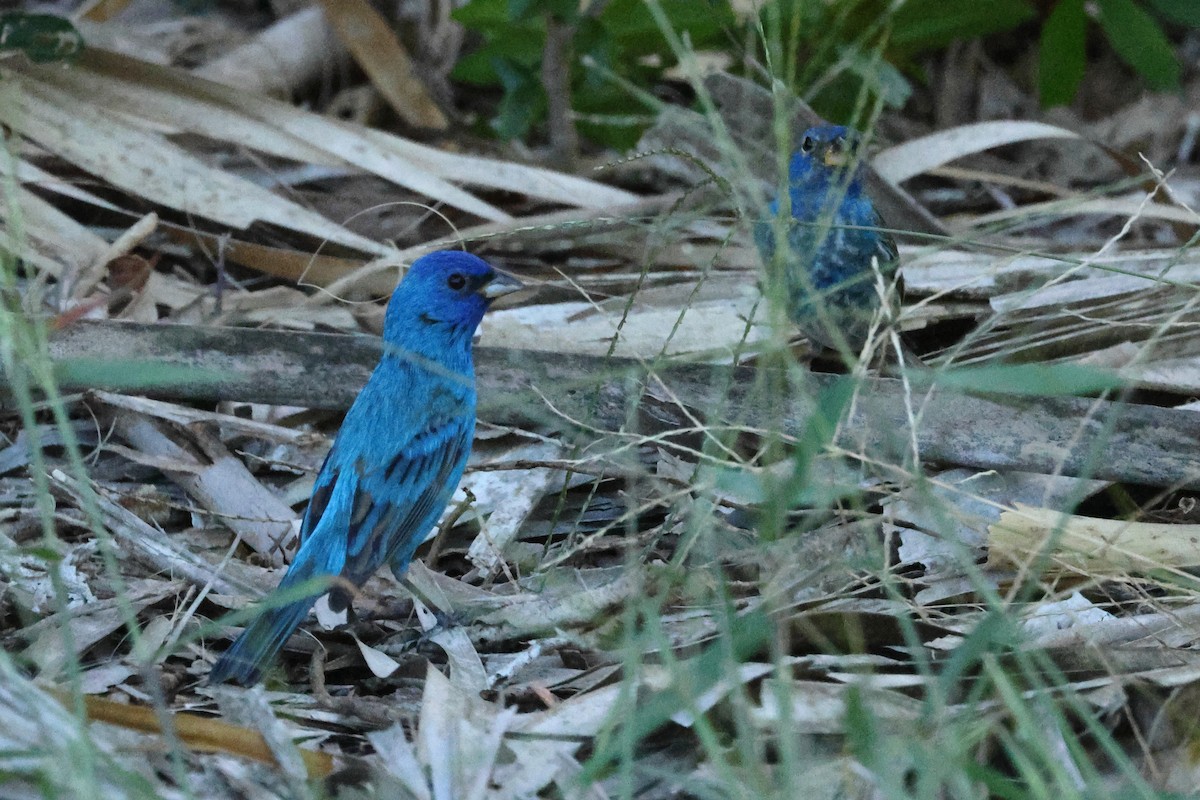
322	491
887	251
405	497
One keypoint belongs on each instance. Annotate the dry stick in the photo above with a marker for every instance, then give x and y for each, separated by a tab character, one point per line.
556	81
202	734
216	479
157	550
380	53
379	276
1146	445
183	415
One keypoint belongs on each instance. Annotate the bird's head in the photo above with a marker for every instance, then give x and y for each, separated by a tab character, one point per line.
444	294
824	149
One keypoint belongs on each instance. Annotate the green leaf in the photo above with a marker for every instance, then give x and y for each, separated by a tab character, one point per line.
1183	12
995	633
635	30
517	43
881	77
1036	380
1063	56
618	42
690	680
521	9
812	482
483	15
524	102
131	375
929	24
822	425
999	785
862	735
43	552
43	38
475	69
832	481
743	484
1140	42
566	10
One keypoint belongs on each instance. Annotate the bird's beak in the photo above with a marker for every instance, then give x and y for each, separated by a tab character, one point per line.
834	157
499	286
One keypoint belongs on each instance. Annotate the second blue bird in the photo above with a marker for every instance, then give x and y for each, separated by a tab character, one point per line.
399	454
832	238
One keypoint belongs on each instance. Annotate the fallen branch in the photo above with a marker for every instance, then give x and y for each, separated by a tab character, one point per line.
1132	443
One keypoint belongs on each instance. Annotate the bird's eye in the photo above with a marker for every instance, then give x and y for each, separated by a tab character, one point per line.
807	145
839	143
456	281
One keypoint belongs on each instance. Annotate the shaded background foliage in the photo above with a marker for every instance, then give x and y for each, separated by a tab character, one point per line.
829	52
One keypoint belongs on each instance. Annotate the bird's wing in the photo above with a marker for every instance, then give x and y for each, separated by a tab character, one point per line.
764	239
887	252
399	500
322	491
374	431
886	245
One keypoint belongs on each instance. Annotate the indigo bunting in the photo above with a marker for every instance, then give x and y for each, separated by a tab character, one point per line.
832	237
398	456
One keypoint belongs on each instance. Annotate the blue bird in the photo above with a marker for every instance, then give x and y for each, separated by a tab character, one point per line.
399	454
832	237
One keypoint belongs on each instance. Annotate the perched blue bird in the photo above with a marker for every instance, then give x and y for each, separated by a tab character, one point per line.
398	456
832	236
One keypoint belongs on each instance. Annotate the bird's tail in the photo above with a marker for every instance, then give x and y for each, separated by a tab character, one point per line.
259	643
